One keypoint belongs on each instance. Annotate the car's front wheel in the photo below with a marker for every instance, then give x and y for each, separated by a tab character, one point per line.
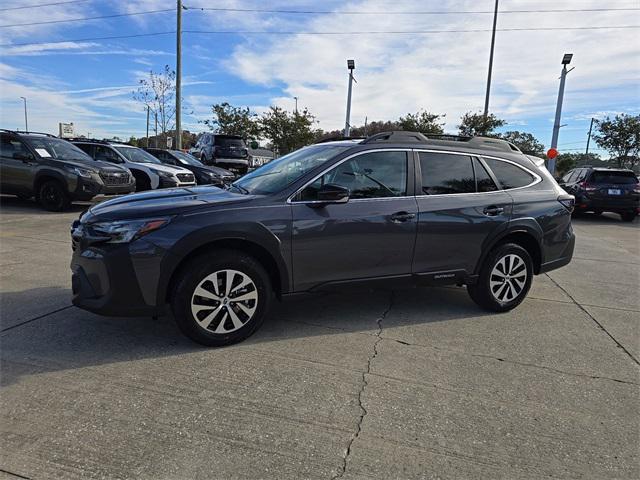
505	278
221	298
52	196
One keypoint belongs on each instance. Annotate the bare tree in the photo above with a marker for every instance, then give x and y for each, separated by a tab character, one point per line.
158	93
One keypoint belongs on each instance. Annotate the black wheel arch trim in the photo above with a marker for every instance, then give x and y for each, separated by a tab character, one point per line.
46	173
247	234
528	226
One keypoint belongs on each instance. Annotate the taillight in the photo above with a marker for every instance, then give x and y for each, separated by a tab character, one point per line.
587	187
636	189
567	201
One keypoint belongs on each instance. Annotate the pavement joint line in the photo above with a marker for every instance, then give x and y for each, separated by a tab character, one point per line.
602	260
8	236
584	304
515	362
595	321
17	475
365	383
34	319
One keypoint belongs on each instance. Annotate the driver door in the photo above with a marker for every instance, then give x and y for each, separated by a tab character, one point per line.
372	235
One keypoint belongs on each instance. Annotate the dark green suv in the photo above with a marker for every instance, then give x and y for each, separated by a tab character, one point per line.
55	171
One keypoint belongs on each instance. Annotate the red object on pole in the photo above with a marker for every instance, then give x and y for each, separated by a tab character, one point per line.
552	153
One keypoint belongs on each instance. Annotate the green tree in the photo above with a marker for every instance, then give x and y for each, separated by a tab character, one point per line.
423	122
287	131
620	136
474	124
525	142
230	120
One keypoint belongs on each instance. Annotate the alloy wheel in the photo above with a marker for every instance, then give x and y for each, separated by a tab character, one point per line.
224	301
508	278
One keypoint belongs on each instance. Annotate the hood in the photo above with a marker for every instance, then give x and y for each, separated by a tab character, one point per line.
158	203
165	168
109	167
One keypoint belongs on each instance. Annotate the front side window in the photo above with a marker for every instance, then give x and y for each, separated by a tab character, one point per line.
137	155
106	154
370	175
444	174
509	175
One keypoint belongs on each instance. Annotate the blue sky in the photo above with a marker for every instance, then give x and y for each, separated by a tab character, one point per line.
89	82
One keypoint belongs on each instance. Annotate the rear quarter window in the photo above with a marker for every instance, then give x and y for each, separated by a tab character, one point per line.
509	175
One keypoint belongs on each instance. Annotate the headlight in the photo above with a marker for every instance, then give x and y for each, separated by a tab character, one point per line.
125	231
83	172
163	174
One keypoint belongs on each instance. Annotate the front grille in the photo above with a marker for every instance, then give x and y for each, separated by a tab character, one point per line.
118	178
186	177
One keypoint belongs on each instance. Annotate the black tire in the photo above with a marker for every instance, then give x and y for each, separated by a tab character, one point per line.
481	292
628	216
24	196
195	272
52	196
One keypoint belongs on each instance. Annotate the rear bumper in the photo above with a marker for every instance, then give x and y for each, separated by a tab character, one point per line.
610	204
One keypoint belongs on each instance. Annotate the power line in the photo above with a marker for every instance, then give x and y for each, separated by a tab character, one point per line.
259	32
41	5
87	18
431	12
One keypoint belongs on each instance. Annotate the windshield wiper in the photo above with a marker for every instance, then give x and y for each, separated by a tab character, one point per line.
242	189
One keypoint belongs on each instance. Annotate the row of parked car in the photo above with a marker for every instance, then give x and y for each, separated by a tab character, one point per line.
57	171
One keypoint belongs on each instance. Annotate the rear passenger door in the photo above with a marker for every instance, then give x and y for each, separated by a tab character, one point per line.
460	208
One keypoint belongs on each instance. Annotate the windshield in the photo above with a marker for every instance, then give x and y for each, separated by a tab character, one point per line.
187	159
137	155
58	149
277	174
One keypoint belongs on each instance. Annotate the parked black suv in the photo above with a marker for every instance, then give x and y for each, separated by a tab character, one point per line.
600	190
205	175
54	171
226	151
396	207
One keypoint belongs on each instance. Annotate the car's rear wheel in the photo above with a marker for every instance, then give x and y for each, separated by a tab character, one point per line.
505	278
52	196
628	216
221	298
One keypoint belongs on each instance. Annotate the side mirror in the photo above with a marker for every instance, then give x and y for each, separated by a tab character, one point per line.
331	193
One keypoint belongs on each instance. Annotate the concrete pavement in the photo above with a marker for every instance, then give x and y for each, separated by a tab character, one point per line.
405	384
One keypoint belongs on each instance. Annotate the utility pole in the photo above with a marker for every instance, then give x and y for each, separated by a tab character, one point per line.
26	124
155	140
365	125
566	60
589	137
351	65
147	126
493	42
296	99
178	75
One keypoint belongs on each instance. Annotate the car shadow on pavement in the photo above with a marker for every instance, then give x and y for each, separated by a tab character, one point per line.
11	205
71	338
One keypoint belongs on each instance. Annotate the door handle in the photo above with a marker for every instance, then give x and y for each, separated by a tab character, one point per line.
400	217
492	211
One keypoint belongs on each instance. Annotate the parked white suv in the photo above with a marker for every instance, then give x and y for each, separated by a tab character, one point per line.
149	172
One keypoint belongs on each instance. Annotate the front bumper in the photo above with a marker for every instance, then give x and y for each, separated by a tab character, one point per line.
117	280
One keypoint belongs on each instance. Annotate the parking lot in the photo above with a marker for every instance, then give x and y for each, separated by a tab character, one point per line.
382	384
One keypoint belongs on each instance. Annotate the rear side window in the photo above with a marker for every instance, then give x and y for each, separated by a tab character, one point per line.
444	174
615	178
508	174
484	183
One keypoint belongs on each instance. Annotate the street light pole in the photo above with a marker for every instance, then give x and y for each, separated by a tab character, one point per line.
566	60
589	137
351	65
493	42
26	124
147	126
178	75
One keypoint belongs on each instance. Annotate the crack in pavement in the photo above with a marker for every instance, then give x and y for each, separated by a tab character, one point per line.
365	383
14	474
594	320
34	319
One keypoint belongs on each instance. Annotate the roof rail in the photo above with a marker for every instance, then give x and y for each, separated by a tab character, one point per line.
397	136
85	139
27	132
338	138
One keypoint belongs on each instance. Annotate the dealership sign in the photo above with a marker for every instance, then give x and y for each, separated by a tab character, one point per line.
66	130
